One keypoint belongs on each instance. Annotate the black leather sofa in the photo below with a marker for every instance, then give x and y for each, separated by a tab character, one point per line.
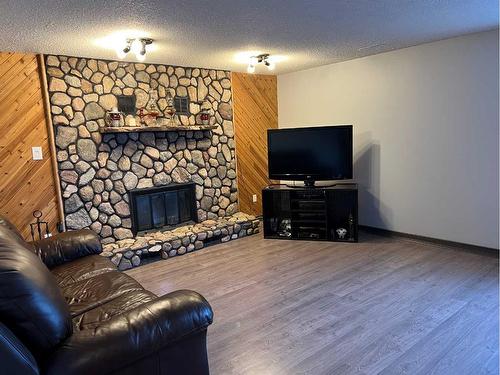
64	309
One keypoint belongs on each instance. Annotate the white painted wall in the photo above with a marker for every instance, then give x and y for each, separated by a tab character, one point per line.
426	133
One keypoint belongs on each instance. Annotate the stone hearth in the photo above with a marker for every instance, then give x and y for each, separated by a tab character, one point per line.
131	253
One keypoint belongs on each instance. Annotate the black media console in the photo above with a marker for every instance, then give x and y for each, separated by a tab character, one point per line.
305	213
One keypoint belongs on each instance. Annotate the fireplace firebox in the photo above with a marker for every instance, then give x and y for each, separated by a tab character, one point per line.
163	206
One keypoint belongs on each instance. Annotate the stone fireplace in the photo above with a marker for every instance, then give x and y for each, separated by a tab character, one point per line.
98	171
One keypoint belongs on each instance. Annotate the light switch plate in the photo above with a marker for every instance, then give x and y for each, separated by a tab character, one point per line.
37	153
254	198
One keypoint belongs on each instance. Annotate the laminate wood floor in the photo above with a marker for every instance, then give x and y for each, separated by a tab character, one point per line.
382	306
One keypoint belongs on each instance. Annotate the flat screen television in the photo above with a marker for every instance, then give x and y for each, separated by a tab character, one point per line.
310	154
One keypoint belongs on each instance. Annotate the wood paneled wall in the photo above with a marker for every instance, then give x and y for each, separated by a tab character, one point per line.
25	185
255	106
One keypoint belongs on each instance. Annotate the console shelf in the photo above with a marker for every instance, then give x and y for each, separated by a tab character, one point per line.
303	213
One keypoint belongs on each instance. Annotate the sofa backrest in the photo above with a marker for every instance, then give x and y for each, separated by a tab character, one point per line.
13	230
31	303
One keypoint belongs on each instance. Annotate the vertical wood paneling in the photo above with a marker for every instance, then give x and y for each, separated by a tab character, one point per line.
25	185
255	106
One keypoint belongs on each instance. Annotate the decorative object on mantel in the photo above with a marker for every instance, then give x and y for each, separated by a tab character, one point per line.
39	227
152	107
170	108
150	113
114	118
143	114
205	112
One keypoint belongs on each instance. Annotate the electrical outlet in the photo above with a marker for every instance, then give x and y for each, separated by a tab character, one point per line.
254	198
37	153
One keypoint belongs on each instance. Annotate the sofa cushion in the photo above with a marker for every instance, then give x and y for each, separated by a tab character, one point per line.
81	269
31	303
125	302
87	294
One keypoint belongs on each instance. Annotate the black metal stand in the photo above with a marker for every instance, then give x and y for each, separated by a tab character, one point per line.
39	226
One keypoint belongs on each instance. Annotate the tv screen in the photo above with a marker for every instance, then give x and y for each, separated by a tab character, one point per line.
314	153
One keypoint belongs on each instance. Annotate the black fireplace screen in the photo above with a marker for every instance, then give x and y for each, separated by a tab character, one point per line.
163	206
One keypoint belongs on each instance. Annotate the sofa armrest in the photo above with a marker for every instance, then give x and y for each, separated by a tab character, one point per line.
16	358
133	335
67	246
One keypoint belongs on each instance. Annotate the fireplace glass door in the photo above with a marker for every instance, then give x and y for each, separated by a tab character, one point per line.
158	207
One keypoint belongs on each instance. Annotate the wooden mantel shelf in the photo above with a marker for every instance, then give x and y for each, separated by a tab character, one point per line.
166	128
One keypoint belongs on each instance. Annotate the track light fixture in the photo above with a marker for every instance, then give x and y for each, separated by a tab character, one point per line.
128	46
265	58
136	45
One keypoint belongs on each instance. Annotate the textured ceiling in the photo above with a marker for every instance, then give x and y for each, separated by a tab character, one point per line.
217	33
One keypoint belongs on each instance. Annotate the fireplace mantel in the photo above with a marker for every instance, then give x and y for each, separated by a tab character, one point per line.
139	129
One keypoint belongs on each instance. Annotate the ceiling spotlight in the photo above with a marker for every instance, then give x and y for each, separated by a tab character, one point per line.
144	42
137	46
122	52
270	64
128	46
262	58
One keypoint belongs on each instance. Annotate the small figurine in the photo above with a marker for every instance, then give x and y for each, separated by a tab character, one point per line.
149	114
341	232
152	107
205	112
285	228
170	108
114	118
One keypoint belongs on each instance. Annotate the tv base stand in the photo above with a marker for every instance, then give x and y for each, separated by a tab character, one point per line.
327	213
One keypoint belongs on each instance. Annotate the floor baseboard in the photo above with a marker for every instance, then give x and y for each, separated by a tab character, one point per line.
436	241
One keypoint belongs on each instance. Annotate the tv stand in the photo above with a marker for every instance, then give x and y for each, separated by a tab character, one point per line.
327	213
